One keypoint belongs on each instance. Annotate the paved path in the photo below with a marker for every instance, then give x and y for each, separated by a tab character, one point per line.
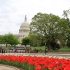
66	55
7	67
58	55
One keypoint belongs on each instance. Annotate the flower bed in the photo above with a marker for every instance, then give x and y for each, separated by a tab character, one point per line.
36	63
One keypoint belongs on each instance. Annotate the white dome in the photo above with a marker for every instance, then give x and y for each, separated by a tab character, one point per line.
24	27
25	24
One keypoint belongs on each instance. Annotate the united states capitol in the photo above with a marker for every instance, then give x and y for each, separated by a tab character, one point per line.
24	30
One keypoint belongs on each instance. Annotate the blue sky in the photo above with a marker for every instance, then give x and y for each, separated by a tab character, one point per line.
12	12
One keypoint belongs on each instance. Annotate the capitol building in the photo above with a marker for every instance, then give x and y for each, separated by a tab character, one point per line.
24	30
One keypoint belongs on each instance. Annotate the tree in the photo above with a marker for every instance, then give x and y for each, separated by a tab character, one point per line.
1	39
47	26
5	39
34	41
26	41
66	14
10	39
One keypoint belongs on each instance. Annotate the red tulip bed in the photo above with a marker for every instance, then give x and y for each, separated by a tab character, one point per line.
35	63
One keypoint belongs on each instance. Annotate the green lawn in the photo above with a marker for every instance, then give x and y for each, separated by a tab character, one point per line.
43	48
39	47
65	48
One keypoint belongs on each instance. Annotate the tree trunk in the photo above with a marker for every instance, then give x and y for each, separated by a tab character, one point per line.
6	45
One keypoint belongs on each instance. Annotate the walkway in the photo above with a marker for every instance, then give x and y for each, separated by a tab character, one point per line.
55	54
7	67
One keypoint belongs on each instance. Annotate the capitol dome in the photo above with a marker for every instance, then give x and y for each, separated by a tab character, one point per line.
24	26
24	30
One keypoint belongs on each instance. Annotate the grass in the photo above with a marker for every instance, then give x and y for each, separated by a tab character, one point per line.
39	47
43	48
64	48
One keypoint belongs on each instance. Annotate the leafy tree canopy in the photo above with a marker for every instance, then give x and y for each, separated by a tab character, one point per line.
26	41
10	39
48	26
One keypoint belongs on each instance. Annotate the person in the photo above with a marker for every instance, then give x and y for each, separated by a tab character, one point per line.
2	51
46	49
15	50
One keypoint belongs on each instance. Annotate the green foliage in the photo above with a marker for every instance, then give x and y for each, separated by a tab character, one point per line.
65	48
24	65
1	39
66	14
26	41
68	43
56	46
10	39
43	48
34	41
45	27
39	47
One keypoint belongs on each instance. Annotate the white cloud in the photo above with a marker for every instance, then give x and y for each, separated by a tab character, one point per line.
12	12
